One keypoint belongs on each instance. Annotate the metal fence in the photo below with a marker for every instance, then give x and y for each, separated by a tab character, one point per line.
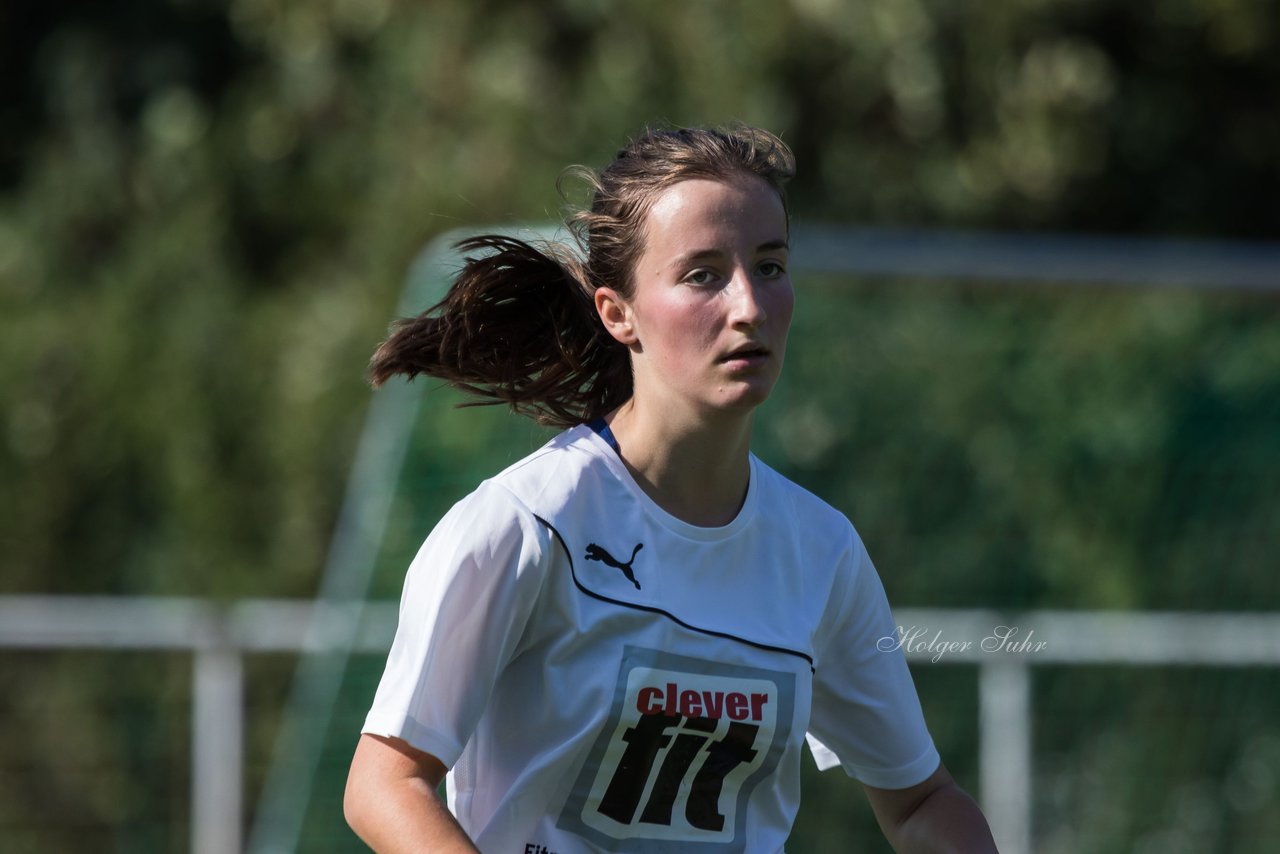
1005	648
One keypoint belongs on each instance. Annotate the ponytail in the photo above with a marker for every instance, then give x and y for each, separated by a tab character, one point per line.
519	327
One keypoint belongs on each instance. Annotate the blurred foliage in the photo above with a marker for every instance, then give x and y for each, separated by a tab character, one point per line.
1043	447
207	210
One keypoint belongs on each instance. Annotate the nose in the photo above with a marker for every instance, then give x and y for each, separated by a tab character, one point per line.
747	308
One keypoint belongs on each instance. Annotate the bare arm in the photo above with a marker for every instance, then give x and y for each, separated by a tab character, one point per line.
932	817
391	800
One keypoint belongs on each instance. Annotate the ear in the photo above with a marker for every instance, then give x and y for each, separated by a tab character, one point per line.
615	314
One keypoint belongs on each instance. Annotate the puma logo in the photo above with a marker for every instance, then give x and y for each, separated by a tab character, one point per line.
595	552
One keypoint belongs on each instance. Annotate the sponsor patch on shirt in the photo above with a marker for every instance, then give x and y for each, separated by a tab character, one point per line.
686	742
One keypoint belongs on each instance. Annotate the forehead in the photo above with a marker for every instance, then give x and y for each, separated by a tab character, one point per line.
700	209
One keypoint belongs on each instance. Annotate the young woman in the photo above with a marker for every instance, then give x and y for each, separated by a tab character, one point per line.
621	642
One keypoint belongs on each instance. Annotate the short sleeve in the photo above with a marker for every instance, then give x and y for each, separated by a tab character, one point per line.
866	714
467	597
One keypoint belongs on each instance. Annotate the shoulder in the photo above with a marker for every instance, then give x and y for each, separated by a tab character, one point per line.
824	542
515	502
489	521
804	511
548	478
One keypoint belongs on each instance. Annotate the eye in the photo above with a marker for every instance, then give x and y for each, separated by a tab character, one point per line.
700	277
772	269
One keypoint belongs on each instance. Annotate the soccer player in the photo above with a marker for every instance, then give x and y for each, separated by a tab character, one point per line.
623	641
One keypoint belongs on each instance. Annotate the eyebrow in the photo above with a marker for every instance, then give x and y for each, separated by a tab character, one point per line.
698	255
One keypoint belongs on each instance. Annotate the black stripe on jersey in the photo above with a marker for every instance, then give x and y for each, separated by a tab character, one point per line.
594	595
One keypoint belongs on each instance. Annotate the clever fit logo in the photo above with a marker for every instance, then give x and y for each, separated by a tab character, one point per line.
685	722
682	751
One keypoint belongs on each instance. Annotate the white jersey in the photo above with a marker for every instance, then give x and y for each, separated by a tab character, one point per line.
601	676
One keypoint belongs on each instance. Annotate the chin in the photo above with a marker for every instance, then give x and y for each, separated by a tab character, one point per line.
746	398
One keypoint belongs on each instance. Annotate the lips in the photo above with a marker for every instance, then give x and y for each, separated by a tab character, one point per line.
747	352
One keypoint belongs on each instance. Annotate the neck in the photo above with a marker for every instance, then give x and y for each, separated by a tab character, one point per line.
696	469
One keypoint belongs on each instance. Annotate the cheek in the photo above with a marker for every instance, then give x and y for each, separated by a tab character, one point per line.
683	321
781	308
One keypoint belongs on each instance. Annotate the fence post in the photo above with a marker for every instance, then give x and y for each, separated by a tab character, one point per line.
216	751
1004	709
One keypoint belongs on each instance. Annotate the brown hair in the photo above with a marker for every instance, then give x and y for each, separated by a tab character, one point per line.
519	325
